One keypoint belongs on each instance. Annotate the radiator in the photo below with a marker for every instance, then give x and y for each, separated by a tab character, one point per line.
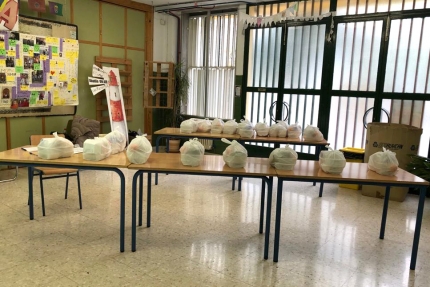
208	144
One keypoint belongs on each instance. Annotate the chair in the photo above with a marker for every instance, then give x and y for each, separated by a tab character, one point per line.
51	173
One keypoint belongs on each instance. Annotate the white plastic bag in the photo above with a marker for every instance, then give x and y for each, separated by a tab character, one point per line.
188	126
117	141
217	126
312	133
278	130
139	150
204	126
235	154
53	148
262	129
245	129
383	162
192	152
294	131
96	149
230	127
283	158
332	161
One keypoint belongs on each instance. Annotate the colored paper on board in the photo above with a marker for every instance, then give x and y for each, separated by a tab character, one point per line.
56	8
37	5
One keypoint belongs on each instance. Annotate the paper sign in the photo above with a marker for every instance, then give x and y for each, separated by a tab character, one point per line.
98	89
96	81
99	73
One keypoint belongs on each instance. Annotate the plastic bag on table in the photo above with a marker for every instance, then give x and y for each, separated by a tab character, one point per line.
245	128
312	133
217	126
262	129
56	147
294	131
283	158
188	126
204	126
383	162
332	161
278	130
192	152
96	149
235	155
117	141
230	127
139	150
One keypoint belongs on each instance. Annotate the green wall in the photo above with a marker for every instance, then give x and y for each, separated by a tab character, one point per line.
113	28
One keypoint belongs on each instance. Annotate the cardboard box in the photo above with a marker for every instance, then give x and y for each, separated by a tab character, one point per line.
401	139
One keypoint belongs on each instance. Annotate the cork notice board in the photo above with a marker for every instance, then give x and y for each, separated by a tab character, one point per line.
58	68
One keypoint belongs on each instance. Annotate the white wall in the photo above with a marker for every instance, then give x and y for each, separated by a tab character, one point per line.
165	37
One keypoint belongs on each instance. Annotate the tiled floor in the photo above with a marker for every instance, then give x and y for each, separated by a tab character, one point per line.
205	234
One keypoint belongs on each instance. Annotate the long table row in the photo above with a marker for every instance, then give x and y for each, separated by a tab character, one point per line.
213	165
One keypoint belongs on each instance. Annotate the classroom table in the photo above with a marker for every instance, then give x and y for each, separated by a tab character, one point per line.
20	157
212	165
354	173
168	133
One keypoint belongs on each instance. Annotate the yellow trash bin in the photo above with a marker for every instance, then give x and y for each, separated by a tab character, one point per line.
352	154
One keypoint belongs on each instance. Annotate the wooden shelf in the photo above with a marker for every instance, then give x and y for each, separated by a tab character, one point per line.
159	77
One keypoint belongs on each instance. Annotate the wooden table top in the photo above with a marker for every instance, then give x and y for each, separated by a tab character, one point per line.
212	164
18	155
255	138
353	171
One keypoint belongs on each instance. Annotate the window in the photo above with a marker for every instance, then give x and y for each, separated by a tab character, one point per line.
211	65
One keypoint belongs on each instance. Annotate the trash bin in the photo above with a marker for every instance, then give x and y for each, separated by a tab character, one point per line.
352	154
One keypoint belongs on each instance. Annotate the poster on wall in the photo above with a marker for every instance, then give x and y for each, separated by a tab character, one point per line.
9	13
37	71
108	79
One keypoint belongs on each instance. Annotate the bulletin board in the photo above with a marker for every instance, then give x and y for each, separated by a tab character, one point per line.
39	69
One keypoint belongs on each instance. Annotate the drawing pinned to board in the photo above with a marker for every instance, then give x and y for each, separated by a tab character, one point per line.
108	79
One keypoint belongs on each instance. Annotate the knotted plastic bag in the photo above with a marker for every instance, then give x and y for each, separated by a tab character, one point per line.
230	127
96	149
283	158
383	162
217	126
278	130
332	161
312	133
262	129
245	128
117	141
139	150
192	152
235	154
188	126
204	126
294	131
56	147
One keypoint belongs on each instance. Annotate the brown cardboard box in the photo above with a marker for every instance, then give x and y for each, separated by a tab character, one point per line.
401	139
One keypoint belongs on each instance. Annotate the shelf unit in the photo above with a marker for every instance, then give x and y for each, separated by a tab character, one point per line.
159	85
